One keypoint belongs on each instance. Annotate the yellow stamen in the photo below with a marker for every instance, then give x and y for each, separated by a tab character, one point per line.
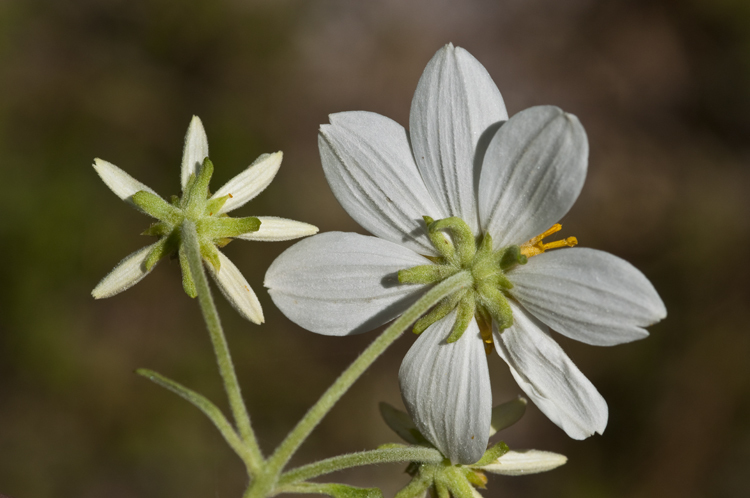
535	246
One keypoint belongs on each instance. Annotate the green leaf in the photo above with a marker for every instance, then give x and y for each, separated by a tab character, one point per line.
507	414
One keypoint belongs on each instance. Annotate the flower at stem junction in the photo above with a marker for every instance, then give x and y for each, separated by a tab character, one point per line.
466	190
209	213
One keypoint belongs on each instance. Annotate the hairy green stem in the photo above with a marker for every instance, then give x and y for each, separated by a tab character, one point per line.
265	482
385	455
223	358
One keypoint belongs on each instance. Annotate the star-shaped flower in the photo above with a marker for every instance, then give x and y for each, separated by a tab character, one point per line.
215	228
466	190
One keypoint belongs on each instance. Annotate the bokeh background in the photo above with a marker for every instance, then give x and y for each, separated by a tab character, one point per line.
662	87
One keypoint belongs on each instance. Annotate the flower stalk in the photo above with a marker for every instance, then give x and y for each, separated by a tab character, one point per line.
266	482
221	349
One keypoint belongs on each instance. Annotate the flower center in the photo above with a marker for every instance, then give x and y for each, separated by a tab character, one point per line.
487	299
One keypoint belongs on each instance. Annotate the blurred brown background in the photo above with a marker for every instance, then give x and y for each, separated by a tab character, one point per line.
662	87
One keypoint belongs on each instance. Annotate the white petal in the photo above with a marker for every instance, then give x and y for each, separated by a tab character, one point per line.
369	165
456	102
195	150
549	378
273	229
251	182
236	289
446	389
342	283
533	171
521	462
590	296
121	183
126	274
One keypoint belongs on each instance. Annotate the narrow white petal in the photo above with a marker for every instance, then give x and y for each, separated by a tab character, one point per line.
121	183
195	150
369	165
549	378
236	289
455	103
590	296
532	174
446	389
521	462
251	182
126	274
342	283
273	229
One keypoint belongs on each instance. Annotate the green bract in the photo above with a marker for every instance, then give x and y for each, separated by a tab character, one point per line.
214	229
485	300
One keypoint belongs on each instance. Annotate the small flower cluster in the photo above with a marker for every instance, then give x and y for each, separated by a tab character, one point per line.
209	213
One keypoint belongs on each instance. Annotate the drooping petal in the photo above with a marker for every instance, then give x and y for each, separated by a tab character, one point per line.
126	274
446	389
369	165
195	150
251	182
533	171
588	295
236	289
274	229
119	182
342	283
549	378
522	462
456	101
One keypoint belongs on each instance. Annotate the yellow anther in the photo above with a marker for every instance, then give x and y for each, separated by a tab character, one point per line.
535	246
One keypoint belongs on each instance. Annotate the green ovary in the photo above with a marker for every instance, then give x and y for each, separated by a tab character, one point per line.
486	299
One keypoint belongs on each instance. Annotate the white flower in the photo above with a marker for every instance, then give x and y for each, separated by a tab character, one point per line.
493	185
215	228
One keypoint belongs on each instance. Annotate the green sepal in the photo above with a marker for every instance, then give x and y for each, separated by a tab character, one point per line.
416	487
158	229
196	192
336	490
156	207
160	250
426	274
464	316
495	303
223	226
175	201
222	242
213	206
492	454
510	257
507	414
464	243
441	310
188	284
442	490
476	478
455	480
442	245
211	254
